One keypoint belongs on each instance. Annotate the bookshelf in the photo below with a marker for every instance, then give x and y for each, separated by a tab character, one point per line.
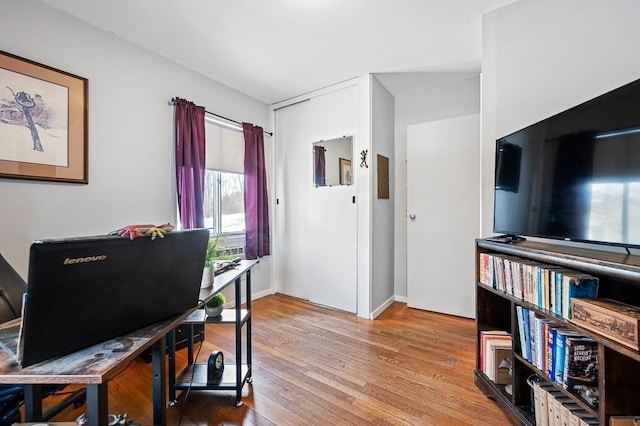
618	365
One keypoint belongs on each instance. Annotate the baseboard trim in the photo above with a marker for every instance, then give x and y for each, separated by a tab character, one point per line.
254	296
382	307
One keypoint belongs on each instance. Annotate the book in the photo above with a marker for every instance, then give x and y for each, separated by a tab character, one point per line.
498	272
526	314
489	339
541	399
548	275
568	409
521	331
508	276
542	343
486	269
532	337
552	395
557	305
577	284
551	291
555	291
580	374
540	403
551	331
579	416
559	352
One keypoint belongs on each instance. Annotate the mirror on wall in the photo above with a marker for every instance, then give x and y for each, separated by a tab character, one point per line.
332	162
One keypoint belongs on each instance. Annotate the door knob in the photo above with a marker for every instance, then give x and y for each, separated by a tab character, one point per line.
412	216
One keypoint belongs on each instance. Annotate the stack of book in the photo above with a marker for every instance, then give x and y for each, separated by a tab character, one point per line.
495	355
553	408
561	354
548	287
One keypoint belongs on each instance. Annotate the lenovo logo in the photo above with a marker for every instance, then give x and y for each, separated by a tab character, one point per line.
69	261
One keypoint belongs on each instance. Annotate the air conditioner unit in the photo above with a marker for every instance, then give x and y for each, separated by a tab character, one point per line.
231	251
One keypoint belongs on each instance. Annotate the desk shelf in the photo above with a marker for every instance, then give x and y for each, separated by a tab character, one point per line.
228	316
199	381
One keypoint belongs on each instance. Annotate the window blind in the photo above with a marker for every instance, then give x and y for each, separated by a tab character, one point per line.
224	148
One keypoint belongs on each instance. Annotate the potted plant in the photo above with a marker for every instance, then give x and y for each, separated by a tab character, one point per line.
209	260
214	306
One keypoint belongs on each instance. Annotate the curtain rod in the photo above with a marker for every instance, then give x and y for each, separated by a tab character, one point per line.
173	101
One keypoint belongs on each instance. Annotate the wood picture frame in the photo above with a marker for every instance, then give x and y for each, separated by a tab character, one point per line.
383	177
43	122
346	172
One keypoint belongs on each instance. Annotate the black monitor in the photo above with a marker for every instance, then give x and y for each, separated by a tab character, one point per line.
82	291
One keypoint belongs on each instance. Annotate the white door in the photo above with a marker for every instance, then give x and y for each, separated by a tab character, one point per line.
291	211
443	208
316	228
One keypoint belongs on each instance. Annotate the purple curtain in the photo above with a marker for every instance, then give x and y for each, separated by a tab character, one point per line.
256	203
319	166
190	155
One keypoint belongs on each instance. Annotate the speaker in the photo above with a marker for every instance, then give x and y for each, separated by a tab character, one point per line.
215	367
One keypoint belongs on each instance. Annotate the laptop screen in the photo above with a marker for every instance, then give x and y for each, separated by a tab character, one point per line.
82	291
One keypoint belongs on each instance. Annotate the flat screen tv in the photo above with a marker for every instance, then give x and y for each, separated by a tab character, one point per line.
574	176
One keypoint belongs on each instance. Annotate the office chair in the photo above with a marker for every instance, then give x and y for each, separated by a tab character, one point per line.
12	287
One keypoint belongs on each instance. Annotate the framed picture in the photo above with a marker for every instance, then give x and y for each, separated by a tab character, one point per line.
383	177
43	122
346	175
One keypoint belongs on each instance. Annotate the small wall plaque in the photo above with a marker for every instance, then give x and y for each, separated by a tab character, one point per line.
383	177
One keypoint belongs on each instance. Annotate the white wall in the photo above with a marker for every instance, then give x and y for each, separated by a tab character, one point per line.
542	57
459	97
131	172
382	142
364	200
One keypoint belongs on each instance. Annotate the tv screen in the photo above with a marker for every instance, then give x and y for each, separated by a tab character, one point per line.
576	175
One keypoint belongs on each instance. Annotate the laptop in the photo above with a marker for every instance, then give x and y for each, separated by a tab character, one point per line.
82	291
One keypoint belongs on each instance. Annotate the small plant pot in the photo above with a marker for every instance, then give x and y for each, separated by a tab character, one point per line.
213	311
207	277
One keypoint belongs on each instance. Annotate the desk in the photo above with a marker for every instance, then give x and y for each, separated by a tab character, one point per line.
93	367
194	376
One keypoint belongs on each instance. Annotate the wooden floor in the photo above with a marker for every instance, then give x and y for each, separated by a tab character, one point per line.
317	366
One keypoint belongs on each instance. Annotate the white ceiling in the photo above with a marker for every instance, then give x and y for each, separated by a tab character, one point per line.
277	49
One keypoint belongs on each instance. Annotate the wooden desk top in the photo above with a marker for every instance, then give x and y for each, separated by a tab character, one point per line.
93	365
224	279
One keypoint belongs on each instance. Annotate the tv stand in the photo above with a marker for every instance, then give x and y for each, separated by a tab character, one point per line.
496	309
506	238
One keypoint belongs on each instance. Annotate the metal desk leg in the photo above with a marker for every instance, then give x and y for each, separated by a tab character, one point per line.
190	344
159	383
97	404
238	325
171	352
33	403
248	327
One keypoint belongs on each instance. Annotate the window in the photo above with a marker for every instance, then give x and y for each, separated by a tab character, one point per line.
224	202
224	179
